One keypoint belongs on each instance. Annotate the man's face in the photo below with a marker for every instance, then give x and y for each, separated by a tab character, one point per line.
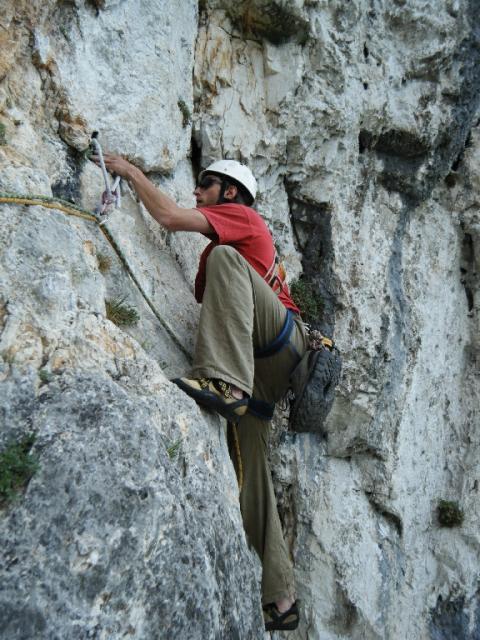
207	191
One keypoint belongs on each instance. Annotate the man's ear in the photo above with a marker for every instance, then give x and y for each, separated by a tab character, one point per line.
230	192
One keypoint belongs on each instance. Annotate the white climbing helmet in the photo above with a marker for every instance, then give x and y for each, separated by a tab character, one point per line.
236	171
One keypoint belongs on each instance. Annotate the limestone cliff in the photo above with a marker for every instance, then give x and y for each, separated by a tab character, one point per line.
361	122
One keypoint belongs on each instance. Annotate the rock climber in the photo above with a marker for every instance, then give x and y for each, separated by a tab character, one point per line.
250	338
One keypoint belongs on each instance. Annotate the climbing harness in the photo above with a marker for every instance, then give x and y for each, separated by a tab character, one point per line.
112	194
280	341
312	381
276	275
260	408
71	209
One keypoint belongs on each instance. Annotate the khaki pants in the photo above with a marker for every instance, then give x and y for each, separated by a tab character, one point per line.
241	313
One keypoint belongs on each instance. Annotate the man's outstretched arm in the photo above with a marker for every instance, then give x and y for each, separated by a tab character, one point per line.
160	206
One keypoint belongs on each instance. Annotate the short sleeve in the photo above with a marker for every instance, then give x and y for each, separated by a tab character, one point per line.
231	222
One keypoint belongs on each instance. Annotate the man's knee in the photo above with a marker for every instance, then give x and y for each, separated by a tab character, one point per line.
223	251
223	254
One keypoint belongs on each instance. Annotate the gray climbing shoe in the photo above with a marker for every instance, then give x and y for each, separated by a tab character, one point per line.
313	382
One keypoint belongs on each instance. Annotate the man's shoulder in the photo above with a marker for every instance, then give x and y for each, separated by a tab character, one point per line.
229	206
219	209
233	213
234	210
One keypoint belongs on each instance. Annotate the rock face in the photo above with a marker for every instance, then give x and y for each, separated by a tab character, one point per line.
361	123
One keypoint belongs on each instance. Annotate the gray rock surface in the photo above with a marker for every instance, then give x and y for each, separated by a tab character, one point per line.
113	537
131	525
361	122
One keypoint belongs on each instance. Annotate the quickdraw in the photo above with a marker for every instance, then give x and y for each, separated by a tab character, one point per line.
317	340
111	195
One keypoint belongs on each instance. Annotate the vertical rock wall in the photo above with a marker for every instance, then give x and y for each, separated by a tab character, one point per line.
130	526
370	114
361	122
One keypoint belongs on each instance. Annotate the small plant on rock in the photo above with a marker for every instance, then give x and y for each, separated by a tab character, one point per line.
3	139
121	314
174	448
104	262
17	466
45	376
449	513
185	111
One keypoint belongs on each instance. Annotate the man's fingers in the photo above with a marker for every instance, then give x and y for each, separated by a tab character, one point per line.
113	163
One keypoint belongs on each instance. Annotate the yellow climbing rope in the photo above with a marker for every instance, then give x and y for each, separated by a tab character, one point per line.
236	443
71	209
50	203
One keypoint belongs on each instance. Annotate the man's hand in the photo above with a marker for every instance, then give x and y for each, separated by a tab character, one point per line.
115	164
161	207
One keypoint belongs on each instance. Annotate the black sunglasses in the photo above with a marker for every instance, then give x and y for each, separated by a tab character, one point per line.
207	181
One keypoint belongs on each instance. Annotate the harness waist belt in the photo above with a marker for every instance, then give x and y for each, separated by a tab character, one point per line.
280	341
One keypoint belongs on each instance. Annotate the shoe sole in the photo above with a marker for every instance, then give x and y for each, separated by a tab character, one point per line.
285	627
212	401
279	623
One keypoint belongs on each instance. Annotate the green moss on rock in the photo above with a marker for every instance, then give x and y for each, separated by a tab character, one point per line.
17	465
185	111
104	262
307	298
449	513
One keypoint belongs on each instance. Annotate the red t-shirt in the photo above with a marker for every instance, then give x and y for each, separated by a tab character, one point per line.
243	229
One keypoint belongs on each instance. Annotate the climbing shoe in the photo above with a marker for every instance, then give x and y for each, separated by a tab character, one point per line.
214	394
276	621
313	383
